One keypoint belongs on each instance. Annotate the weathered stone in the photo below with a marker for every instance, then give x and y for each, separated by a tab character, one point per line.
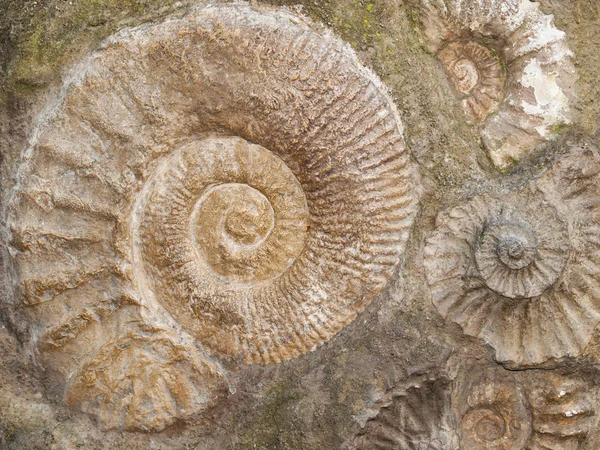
218	233
229	174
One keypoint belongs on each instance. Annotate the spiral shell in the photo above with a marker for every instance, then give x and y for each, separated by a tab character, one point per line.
523	271
493	413
506	60
232	174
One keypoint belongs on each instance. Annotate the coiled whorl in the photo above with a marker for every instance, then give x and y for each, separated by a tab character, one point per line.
522	270
234	172
510	66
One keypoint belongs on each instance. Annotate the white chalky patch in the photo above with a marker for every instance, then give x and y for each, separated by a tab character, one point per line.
551	103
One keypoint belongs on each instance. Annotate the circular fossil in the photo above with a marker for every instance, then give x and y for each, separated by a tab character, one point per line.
493	414
508	61
477	75
232	173
520	271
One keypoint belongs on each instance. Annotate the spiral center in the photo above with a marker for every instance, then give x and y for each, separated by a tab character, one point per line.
490	427
249	217
515	252
465	75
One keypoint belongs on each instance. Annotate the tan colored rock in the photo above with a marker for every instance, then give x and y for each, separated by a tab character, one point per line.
144	379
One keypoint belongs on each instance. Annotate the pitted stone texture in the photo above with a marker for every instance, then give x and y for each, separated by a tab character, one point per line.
507	60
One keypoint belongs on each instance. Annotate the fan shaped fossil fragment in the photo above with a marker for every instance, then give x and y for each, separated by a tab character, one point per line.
418	417
234	175
144	379
563	411
510	66
523	271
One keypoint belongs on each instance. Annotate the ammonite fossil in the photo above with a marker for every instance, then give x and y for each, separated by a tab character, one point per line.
522	271
419	417
506	60
530	409
493	412
232	174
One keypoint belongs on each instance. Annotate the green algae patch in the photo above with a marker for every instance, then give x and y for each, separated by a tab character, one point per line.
59	32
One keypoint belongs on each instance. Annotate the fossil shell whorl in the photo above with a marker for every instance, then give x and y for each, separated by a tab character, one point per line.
219	224
477	75
232	174
144	379
507	61
563	408
493	413
519	271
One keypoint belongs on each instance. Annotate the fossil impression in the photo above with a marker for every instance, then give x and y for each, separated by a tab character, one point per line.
417	418
533	409
508	61
563	410
523	271
234	176
493	415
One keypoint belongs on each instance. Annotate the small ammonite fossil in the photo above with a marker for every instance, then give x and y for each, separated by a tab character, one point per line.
477	74
510	67
418	416
522	271
232	174
493	412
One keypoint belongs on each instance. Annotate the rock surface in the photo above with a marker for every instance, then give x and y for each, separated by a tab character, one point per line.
273	226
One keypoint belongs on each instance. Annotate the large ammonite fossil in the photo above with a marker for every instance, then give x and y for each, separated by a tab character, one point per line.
233	175
506	60
522	271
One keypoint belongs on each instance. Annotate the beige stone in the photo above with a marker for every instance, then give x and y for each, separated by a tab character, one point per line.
521	271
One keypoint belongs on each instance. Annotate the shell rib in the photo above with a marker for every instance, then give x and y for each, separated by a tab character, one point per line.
515	63
523	272
231	174
418	417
